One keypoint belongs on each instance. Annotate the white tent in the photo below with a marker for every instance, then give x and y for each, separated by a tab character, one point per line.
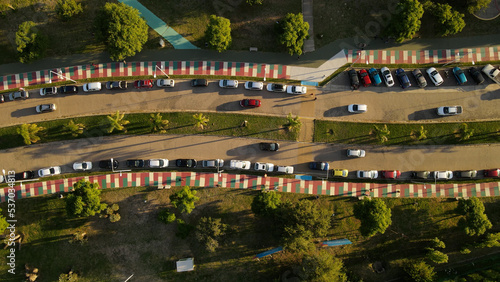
186	264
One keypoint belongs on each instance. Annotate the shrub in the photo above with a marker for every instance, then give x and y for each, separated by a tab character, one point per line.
166	216
66	9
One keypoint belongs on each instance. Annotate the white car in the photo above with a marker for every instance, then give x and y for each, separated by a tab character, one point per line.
165	83
253	85
228	83
157	163
284	169
386	74
92	86
443	175
435	76
357	108
264	167
292	89
49	171
367	174
45	108
449	110
276	87
217	163
356	153
82	166
235	164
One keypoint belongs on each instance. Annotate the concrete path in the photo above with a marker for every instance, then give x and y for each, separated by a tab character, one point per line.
307	12
160	26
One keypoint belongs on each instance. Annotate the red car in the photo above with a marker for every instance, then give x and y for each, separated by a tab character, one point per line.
365	78
250	103
391	174
492	172
147	83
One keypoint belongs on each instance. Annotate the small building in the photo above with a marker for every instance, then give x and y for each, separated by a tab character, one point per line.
186	264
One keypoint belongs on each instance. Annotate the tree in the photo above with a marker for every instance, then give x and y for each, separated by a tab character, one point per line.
31	44
30	132
298	239
116	121
475	221
406	22
158	124
294	30
436	256
184	199
464	132
66	9
266	203
3	223
115	217
73	128
374	215
209	231
381	133
436	243
166	216
449	21
476	5
201	120
491	240
294	124
255	2
122	29
322	266
422	133
69	277
420	271
218	34
84	200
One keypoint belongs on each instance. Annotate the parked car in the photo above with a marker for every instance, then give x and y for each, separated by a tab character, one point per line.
476	75
375	76
250	103
50	171
356	153
48	91
108	165
319	165
269	146
492	172
353	77
19	95
338	172
357	108
68	89
293	89
367	174
268	167
135	163
254	85
200	82
116	85
404	81
466	173
45	108
236	164
217	163
157	163
365	78
228	83
2	98
459	75
435	76
145	83
186	163
29	174
443	175
276	87
92	87
386	74
284	169
420	78
165	83
421	174
82	166
390	174
449	110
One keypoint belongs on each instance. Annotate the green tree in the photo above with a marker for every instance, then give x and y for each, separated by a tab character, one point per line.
66	9
158	124
374	215
298	239
294	124
122	29
116	121
476	5
475	221
30	132
31	44
68	277
491	240
115	217
436	256
266	203
436	243
294	30
73	128
84	200
406	22
201	120
322	266
419	271
166	216
465	133
184	199
3	223
209	231
254	2
449	21
381	133
422	133
218	34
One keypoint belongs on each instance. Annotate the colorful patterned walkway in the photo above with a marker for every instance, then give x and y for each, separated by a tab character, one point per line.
237	181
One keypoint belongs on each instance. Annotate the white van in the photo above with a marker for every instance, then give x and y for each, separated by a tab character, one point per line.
93	86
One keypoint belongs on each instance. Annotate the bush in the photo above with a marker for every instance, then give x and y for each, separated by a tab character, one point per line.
66	9
166	216
437	256
218	34
115	217
266	203
209	231
31	44
419	271
465	251
436	243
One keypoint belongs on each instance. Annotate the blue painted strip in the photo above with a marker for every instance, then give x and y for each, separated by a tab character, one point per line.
310	83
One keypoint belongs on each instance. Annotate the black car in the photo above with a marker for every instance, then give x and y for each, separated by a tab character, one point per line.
269	146
476	75
135	163
116	85
29	174
199	82
353	76
186	163
107	164
68	89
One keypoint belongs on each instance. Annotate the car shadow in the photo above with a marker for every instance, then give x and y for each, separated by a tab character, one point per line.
230	107
492	95
337	112
423	114
24	112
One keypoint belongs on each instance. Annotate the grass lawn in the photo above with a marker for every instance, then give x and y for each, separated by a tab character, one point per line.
139	244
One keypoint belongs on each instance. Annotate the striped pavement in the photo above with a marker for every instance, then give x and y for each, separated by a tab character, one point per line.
240	181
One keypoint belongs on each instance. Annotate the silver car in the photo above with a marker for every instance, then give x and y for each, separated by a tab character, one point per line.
252	85
82	166
50	171
165	83
19	95
421	82
217	163
443	175
467	174
355	153
367	174
45	108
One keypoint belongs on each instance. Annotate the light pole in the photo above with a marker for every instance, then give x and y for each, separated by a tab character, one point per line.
59	74
161	69
265	72
359	57
458	59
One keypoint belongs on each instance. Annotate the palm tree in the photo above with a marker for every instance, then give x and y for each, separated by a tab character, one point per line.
422	133
116	121
158	124
381	133
465	133
74	128
294	123
30	132
201	120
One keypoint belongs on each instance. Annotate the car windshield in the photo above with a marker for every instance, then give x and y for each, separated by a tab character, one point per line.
52	170
355	107
84	165
278	86
433	73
